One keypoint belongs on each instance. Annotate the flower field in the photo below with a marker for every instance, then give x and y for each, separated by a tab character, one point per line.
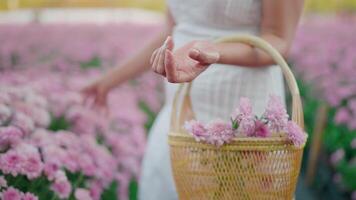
52	146
325	62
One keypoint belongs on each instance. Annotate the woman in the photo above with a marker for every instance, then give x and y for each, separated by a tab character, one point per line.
231	70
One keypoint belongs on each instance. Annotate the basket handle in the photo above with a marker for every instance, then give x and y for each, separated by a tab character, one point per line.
186	111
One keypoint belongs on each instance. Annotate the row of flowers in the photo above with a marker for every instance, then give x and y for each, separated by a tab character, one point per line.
323	57
245	124
53	145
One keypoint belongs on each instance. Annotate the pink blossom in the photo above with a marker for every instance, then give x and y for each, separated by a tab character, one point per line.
3	182
61	185
11	162
11	194
82	194
247	126
296	134
262	129
353	195
32	166
197	129
244	109
96	189
353	143
29	196
50	169
343	116
5	113
337	156
9	136
276	114
25	123
219	132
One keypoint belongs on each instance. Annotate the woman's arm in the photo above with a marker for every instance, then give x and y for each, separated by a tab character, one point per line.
129	68
278	25
139	62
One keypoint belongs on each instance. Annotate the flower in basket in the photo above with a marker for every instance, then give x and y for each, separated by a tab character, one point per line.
245	124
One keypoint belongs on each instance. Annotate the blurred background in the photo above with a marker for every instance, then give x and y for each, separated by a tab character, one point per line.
49	49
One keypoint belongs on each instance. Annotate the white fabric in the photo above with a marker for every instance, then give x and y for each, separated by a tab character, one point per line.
216	92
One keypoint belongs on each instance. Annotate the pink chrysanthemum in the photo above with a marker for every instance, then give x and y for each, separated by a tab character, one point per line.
61	185
11	194
9	136
244	109
82	194
296	134
261	129
3	182
247	126
11	162
197	129
219	132
29	196
276	114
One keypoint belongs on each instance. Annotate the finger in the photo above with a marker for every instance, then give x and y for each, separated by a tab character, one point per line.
153	57
170	67
155	65
170	43
161	60
204	57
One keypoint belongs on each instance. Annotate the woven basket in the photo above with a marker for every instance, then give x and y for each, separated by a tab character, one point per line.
246	168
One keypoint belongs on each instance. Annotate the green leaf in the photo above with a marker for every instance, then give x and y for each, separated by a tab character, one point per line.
59	123
93	63
133	188
110	193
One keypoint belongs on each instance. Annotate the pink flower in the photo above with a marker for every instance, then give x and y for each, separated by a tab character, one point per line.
353	195
343	116
5	113
3	182
244	109
96	189
276	114
262	129
25	123
11	162
296	134
247	126
50	169
32	166
29	196
82	194
197	129
337	156
219	132
9	136
353	143
62	188
11	194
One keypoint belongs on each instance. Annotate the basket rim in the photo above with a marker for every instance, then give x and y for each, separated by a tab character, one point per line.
248	143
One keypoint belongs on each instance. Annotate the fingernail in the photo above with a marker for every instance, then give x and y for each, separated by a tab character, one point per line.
195	52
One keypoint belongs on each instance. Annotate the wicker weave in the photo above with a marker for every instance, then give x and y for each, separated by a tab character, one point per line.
247	168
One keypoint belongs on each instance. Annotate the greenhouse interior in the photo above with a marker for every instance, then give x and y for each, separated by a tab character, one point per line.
64	137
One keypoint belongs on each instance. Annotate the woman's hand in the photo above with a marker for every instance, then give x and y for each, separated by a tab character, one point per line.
97	92
185	63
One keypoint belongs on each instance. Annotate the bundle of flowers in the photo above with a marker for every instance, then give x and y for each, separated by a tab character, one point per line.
245	124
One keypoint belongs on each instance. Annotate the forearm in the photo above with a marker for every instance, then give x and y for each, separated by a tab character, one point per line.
246	55
134	65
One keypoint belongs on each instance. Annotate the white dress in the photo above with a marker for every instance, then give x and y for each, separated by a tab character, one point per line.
216	92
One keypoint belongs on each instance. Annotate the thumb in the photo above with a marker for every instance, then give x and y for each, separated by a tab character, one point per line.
204	57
